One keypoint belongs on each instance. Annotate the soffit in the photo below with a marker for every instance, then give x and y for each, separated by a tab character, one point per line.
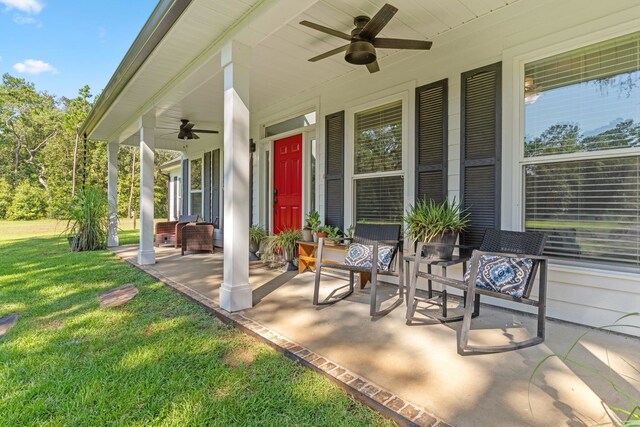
279	68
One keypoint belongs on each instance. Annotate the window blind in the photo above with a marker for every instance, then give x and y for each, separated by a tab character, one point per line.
380	199
590	209
378	139
587	99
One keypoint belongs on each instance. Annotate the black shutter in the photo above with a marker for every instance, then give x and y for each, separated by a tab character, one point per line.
481	137
185	187
206	191
334	170
431	141
215	186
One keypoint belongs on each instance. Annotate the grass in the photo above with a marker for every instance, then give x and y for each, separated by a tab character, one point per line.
158	360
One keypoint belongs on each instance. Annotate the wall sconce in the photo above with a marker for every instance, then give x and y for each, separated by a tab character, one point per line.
531	91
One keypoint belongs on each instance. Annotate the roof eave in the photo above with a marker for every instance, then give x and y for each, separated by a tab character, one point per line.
163	17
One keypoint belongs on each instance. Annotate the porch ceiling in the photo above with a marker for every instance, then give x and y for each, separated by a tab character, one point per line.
182	77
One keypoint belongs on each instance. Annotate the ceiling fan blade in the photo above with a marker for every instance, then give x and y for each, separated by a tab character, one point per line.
402	44
194	136
378	22
204	131
373	67
326	30
188	126
330	53
181	134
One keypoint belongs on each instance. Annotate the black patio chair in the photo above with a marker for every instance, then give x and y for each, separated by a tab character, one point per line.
513	253
369	241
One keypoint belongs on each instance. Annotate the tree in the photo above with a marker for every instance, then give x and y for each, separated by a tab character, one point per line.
28	121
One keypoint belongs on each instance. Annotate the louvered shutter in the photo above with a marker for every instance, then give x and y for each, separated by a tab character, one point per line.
206	196
334	170
185	187
480	150
215	185
431	141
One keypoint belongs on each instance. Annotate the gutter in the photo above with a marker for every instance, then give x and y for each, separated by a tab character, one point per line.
165	14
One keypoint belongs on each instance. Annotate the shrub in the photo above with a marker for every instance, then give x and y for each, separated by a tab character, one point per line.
29	202
6	197
88	220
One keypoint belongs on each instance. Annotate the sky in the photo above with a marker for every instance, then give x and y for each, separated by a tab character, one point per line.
62	45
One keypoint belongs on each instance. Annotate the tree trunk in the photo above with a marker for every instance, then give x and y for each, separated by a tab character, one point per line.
133	179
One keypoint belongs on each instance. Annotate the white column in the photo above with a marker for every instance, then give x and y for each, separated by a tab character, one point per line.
112	192
235	292
146	252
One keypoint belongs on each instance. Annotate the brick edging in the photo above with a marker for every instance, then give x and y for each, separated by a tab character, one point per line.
366	392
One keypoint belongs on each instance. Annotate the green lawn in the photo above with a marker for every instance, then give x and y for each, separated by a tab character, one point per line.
158	360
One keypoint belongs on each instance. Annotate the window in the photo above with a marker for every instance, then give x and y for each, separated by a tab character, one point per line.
378	178
579	106
195	187
291	124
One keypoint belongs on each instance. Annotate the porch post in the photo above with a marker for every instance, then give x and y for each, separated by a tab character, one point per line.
235	291
112	192
146	252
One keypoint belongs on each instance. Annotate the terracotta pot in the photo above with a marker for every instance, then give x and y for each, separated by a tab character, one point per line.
322	234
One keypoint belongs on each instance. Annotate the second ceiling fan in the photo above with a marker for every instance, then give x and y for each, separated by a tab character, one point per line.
361	49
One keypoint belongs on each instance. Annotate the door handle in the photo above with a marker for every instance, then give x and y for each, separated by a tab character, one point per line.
275	196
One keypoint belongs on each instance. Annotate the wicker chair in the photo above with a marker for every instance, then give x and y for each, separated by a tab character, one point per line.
197	237
170	232
374	237
518	252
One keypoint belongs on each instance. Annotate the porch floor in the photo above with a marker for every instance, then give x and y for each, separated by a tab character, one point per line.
419	363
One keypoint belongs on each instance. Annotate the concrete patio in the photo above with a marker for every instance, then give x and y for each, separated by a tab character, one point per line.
419	363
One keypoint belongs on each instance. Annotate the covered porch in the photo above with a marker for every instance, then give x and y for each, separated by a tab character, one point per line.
415	370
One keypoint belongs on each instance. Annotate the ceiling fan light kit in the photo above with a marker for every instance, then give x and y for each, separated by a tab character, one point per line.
363	42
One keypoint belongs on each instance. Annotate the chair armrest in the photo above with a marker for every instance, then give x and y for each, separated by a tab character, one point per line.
509	255
179	227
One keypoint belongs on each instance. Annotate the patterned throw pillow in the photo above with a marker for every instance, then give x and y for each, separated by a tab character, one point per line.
502	274
360	255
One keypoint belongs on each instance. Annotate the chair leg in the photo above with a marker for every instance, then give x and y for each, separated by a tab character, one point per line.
413	283
316	286
374	289
466	320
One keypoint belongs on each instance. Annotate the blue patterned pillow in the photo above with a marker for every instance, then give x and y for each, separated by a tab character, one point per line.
502	274
360	255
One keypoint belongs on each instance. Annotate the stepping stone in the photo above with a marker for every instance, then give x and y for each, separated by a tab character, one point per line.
118	296
6	323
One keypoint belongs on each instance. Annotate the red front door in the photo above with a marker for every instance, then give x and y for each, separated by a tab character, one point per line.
287	183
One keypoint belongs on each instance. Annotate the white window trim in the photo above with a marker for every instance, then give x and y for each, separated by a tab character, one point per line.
514	159
404	93
513	103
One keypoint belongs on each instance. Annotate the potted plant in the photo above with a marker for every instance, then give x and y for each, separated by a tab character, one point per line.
285	244
311	226
331	233
88	221
436	223
257	234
